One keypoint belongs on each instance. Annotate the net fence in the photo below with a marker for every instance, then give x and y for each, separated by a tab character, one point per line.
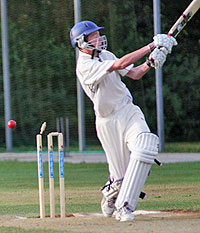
42	67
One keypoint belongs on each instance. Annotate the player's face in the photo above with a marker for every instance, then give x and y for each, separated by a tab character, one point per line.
93	38
95	41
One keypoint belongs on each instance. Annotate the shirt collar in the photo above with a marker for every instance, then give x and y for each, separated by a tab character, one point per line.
86	55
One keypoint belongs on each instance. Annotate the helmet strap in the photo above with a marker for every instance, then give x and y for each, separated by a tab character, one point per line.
93	53
82	41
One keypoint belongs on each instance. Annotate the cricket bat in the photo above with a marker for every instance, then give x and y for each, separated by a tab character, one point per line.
184	18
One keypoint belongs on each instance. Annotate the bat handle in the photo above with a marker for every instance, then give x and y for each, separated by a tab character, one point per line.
158	162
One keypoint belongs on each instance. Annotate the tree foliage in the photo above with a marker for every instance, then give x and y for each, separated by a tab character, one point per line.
42	65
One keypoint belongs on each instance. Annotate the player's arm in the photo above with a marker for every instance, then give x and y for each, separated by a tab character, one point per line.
130	58
137	72
156	59
160	40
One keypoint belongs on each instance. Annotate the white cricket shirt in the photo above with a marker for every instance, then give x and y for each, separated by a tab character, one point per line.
106	90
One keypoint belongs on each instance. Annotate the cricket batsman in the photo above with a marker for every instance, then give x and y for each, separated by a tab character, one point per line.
129	145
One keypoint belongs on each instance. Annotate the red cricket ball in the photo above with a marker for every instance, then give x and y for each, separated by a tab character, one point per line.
12	124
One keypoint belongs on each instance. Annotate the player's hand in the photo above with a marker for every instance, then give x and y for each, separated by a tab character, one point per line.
163	40
157	58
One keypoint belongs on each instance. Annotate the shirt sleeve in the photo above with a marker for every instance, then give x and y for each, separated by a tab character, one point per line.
93	71
123	72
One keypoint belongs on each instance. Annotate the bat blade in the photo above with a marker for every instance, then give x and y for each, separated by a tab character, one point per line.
184	18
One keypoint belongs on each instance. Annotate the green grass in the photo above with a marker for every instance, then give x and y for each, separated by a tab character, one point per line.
189	147
19	187
170	187
174	187
172	147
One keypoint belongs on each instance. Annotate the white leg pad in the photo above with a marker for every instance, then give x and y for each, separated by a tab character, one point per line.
141	160
111	189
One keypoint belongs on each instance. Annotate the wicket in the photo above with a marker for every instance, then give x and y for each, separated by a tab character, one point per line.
51	173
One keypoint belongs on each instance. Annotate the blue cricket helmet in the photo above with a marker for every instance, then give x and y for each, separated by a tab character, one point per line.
82	28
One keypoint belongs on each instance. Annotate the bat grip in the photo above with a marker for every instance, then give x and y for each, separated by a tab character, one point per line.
171	34
158	162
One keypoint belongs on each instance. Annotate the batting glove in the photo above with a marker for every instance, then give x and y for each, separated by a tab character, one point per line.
157	58
163	40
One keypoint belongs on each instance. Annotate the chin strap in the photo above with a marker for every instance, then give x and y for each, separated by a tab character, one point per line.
93	53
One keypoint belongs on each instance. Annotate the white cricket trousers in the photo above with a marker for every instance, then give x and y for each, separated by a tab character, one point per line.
117	133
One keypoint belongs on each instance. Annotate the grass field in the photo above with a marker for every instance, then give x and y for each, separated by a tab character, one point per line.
172	147
170	187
